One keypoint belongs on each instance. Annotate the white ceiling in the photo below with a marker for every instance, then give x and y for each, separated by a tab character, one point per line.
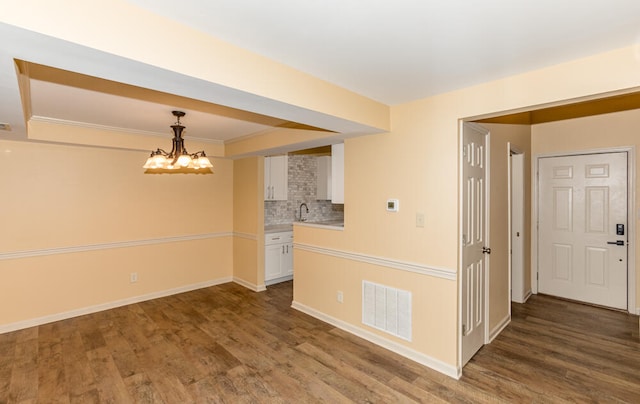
139	115
390	51
402	50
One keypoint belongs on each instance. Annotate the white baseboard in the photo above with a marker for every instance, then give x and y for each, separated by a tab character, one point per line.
249	285
435	364
110	305
278	280
524	299
498	329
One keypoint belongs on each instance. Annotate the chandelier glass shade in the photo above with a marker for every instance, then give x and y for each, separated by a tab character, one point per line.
178	158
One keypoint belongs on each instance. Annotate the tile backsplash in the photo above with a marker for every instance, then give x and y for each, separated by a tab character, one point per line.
302	178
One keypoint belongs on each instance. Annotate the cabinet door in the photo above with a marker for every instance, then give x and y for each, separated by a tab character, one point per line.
287	260
337	173
279	178
323	172
272	261
267	178
276	178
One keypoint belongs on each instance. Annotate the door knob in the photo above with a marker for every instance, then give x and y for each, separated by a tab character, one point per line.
486	250
617	242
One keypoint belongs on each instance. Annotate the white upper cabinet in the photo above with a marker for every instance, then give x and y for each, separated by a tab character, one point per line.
337	173
323	185
276	181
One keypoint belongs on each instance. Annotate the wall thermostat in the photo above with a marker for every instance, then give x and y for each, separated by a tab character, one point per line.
393	205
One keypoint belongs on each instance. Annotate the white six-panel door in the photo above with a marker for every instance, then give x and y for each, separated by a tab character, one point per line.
582	202
474	239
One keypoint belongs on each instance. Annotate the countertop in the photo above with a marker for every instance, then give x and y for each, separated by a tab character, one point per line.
323	224
275	228
327	224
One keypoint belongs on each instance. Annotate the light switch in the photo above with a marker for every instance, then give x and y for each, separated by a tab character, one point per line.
419	219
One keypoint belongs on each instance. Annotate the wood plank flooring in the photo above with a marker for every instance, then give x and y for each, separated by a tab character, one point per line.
226	344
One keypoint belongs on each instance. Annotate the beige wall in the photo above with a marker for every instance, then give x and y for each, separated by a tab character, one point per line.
248	221
518	136
77	221
595	132
417	162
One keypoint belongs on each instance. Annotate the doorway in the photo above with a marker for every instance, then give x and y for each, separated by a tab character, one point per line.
583	227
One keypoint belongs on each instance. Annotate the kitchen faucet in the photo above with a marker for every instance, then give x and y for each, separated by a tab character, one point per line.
306	207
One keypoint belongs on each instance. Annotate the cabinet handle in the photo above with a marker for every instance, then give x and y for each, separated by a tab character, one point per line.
287	249
283	249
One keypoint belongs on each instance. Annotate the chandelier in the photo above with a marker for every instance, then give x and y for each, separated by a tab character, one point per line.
178	158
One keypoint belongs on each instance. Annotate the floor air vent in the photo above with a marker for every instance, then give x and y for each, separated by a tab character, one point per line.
387	309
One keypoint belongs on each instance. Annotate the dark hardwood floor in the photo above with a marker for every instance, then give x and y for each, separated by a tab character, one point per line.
228	344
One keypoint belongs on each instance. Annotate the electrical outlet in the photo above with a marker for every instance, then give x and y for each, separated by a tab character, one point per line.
419	219
339	297
133	277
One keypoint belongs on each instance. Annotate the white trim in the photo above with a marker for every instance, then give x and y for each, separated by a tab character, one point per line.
110	305
249	285
86	125
459	241
402	350
519	295
632	216
108	246
534	225
443	273
501	326
245	236
510	152
631	231
487	230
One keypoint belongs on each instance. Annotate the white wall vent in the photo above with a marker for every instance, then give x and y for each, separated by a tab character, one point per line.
387	309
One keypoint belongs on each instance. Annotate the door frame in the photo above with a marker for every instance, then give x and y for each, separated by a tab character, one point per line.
487	272
631	217
523	295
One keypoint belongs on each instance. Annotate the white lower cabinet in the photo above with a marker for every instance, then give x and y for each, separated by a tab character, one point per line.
278	257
